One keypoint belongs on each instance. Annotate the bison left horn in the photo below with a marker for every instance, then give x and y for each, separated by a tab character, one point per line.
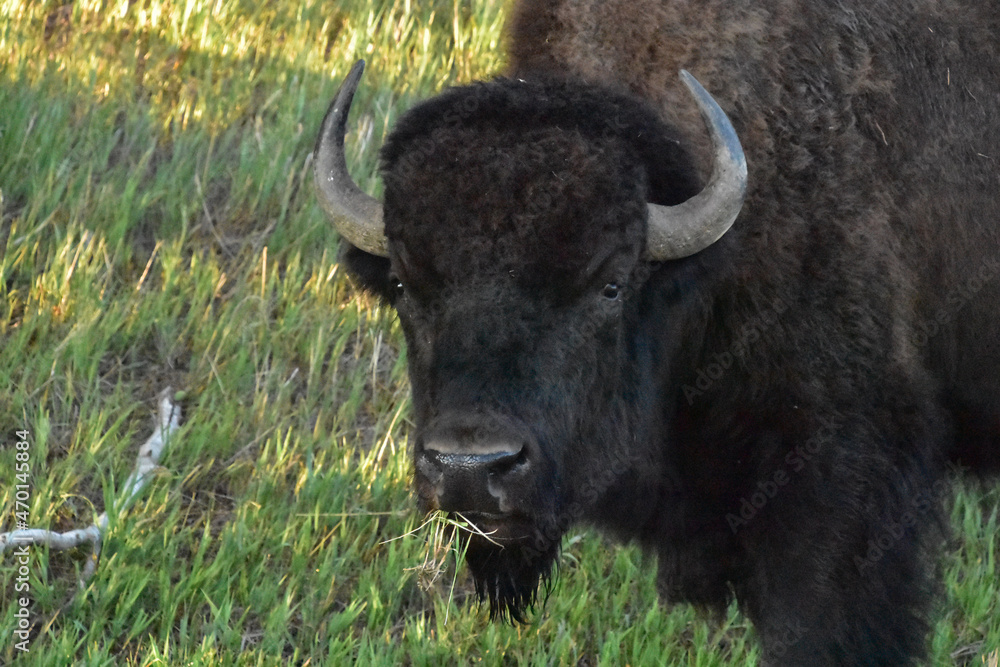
691	226
356	215
673	231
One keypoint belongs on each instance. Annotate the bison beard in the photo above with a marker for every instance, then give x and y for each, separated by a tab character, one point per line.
509	577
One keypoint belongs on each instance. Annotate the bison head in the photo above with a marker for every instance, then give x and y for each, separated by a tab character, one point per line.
515	242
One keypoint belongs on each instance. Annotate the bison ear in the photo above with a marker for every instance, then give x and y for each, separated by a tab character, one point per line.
370	272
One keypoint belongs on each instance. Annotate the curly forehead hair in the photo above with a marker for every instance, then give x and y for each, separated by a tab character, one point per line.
513	105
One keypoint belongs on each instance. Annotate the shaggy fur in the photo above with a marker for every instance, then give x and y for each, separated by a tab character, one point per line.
772	416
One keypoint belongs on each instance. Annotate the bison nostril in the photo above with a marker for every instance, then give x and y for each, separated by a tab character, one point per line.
473	476
492	458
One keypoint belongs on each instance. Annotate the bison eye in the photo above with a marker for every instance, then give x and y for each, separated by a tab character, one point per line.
397	286
611	291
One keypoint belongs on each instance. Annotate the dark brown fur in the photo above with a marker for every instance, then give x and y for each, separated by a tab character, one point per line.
889	111
875	125
870	128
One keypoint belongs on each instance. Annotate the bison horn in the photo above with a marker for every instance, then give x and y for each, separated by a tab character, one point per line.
356	215
673	231
679	231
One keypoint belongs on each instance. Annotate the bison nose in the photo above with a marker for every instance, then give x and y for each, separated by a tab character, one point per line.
472	477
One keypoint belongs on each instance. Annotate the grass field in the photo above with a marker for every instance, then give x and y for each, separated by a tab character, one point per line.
158	228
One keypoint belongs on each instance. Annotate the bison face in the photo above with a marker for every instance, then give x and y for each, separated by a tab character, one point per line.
515	222
514	255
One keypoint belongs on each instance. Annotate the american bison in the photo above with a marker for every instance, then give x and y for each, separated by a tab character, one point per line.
757	370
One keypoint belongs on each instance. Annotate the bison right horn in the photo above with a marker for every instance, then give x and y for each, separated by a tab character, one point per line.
678	231
356	215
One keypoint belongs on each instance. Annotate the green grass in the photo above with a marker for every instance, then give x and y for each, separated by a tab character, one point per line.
158	227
